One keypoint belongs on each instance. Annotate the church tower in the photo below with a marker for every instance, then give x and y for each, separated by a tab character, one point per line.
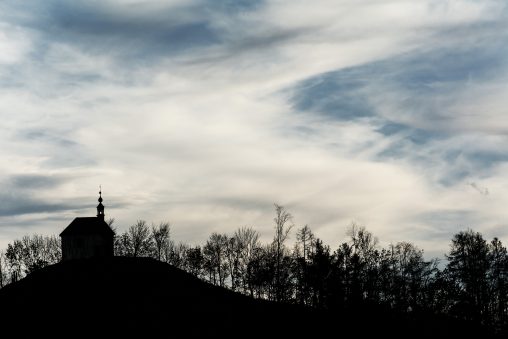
88	237
100	207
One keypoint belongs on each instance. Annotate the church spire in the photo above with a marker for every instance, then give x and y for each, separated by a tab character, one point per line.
100	207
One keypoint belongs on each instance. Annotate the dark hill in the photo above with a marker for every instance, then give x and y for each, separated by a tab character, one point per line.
136	295
143	296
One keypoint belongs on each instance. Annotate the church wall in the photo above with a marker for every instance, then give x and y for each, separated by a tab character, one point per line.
86	246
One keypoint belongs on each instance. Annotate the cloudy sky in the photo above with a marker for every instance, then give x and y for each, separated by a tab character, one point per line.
390	114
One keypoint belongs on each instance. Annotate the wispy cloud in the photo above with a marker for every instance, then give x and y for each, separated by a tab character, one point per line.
21	195
205	113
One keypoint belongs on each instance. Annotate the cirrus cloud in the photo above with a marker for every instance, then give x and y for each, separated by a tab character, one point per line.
205	113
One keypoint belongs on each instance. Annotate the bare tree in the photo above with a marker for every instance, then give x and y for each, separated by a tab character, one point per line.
53	249
405	276
160	237
306	239
362	241
33	253
140	240
261	272
214	253
283	225
304	248
176	255
14	256
498	281
363	264
195	261
123	245
247	240
3	270
233	254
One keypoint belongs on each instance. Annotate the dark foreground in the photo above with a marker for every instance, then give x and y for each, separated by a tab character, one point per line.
141	296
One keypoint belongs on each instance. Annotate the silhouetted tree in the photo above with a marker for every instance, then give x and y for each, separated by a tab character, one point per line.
31	253
3	270
247	240
405	276
285	290
320	272
214	253
444	292
306	240
233	256
469	266
261	272
53	249
498	284
122	245
283	225
195	261
364	264
349	267
139	240
177	255
305	243
14	256
472	286
160	236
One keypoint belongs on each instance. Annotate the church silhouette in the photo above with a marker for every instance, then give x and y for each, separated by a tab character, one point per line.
88	237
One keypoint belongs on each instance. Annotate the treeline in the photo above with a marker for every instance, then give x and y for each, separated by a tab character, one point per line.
472	284
27	255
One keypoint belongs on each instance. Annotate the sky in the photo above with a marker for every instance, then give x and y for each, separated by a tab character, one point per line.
388	114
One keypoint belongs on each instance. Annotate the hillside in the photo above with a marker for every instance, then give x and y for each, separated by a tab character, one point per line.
135	294
140	295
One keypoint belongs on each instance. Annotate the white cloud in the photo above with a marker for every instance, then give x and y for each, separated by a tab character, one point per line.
14	44
207	139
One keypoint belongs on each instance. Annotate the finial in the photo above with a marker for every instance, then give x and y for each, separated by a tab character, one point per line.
100	207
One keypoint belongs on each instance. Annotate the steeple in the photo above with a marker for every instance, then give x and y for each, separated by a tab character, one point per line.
100	207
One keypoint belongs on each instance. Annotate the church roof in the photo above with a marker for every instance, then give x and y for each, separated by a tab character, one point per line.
87	226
